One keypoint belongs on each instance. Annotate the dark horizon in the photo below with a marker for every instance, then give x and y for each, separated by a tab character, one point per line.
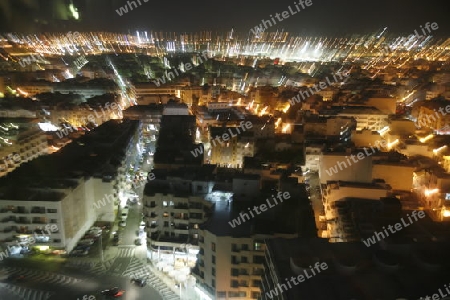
324	17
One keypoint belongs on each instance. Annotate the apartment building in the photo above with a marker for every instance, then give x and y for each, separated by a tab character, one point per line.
174	205
21	141
230	267
230	152
366	116
337	165
86	177
344	201
231	256
172	221
147	93
24	213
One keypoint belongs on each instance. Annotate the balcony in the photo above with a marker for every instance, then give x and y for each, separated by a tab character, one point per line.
181	230
23	221
181	206
36	210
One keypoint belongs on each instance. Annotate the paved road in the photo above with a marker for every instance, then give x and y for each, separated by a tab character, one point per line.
50	280
65	284
316	200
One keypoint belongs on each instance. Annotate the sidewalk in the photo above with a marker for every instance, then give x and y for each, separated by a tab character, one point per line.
187	293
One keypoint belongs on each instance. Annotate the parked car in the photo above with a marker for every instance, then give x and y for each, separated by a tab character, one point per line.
16	277
95	231
86	242
88	236
124	216
122	223
80	252
138	242
113	292
139	281
82	247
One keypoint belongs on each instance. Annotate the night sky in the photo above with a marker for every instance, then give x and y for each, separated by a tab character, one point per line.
324	17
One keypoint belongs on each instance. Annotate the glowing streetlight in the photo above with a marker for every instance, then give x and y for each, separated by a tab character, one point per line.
428	137
436	151
431	192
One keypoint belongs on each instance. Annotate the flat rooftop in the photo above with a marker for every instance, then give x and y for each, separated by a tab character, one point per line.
355	271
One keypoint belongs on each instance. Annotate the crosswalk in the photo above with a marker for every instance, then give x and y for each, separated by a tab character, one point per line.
23	293
126	251
42	276
136	268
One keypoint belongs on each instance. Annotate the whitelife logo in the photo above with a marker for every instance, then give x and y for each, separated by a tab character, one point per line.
91	118
439	296
359	155
184	67
398	226
124	9
322	85
26	61
263	207
432	118
45	234
301	278
265	24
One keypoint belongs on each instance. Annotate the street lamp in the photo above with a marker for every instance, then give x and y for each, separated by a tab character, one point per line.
101	246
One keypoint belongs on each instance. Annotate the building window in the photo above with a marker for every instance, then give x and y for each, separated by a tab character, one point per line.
166	214
244	259
237	294
164	203
258	246
256	283
213	271
258	259
52	211
166	224
213	283
234	284
243	283
213	247
221	294
234	272
53	221
244	247
213	259
256	295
